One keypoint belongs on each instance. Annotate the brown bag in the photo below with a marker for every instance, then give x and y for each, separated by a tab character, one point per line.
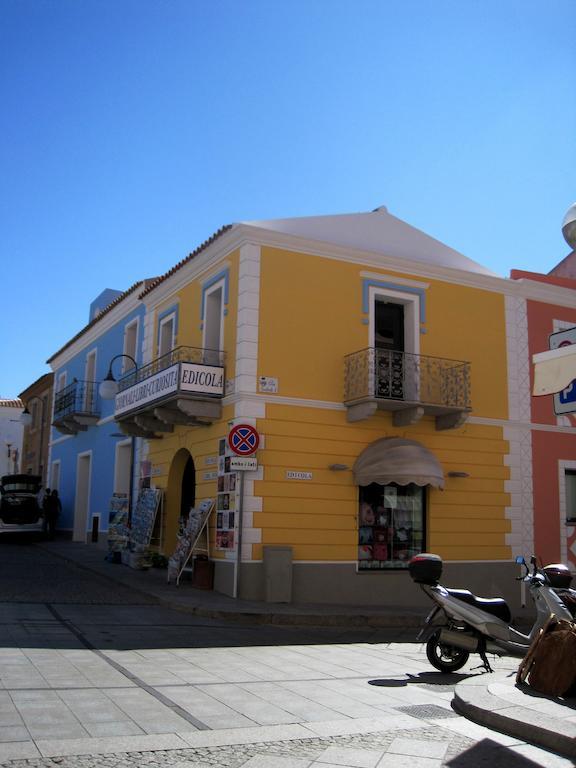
553	668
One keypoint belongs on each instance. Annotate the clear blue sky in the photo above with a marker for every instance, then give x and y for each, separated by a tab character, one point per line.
133	129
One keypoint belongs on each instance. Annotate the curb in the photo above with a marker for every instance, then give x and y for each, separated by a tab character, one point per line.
249	616
473	700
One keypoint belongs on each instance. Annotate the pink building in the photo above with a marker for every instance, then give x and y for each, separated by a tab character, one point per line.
550	308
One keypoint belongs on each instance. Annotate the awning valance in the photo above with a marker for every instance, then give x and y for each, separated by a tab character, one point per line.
554	370
396	460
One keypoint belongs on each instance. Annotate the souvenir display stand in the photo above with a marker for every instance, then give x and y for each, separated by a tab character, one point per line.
145	523
193	541
118	530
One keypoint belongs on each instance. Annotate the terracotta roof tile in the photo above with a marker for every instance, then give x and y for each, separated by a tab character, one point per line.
155	282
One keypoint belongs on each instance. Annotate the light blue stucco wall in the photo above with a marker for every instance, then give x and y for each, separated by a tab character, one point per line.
100	439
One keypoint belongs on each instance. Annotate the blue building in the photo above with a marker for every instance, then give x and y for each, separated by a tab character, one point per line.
90	458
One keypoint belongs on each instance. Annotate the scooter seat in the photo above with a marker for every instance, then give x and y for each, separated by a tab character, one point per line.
495	606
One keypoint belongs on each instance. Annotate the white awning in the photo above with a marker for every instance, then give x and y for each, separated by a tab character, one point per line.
554	370
396	460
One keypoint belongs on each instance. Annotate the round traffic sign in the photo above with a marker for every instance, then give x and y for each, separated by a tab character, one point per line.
243	440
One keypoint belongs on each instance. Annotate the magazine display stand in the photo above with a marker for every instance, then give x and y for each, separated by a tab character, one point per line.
144	518
192	541
118	530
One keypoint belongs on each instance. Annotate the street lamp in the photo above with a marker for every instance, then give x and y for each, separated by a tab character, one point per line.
109	386
26	419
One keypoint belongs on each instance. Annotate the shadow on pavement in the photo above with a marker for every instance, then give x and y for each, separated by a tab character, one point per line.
489	753
423	678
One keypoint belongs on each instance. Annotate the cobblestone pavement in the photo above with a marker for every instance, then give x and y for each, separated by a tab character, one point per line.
93	675
397	749
30	575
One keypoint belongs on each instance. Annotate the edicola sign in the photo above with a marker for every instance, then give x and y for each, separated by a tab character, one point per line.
565	401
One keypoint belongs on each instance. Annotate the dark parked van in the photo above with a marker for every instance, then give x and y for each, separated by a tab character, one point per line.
19	508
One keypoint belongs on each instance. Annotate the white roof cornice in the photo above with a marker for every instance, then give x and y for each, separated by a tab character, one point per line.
247	233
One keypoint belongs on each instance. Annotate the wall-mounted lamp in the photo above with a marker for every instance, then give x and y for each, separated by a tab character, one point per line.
338	467
109	386
458	474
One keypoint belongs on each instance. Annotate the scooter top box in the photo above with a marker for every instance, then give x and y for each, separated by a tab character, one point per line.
425	568
558	575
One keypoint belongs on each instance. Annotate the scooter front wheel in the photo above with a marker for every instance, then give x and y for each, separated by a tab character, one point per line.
445	658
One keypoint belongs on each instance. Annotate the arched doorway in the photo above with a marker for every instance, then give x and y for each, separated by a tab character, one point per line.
180	494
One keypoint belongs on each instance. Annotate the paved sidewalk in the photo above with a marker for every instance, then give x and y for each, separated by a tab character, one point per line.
491	700
210	604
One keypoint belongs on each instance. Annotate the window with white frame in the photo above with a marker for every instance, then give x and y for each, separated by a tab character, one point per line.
55	476
89	380
570	489
166	334
394	330
213	322
130	345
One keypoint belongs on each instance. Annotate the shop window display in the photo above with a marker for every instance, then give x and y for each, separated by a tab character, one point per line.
391	525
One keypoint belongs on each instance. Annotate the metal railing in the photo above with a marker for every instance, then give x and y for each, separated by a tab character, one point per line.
391	375
77	397
196	355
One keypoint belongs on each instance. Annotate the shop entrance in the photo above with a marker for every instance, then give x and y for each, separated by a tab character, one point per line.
180	495
188	499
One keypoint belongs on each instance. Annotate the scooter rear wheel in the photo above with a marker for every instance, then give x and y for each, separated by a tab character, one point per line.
445	658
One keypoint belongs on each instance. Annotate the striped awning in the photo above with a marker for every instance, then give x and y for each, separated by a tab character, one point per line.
400	461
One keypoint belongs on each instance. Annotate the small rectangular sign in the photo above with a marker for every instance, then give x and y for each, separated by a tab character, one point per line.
291	475
243	463
210	475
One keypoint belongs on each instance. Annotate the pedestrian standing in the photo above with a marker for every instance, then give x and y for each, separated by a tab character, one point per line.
52	509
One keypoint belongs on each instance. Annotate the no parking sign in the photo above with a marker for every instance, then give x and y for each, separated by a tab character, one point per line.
243	440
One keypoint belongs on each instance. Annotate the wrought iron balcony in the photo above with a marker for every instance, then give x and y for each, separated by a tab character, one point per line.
407	384
75	407
184	386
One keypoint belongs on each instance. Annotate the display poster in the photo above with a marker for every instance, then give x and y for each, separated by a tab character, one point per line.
226	499
197	520
118	530
390	526
144	517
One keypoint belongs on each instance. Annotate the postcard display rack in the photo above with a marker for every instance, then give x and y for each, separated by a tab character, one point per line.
143	526
118	530
226	500
192	541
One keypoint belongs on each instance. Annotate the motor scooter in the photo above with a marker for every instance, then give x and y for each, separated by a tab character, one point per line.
462	623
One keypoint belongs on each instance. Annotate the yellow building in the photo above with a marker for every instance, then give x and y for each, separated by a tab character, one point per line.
372	361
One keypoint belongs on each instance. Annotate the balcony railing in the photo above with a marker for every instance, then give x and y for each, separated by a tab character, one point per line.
183	387
177	355
397	381
76	407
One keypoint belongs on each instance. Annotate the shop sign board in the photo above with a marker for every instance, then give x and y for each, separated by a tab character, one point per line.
243	463
243	440
292	475
180	377
565	401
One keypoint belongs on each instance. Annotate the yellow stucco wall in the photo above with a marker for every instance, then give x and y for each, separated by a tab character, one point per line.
200	442
318	517
311	316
